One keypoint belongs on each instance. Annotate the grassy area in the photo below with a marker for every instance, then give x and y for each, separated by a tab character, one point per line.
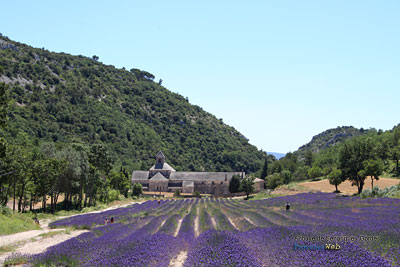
294	186
101	206
14	223
16	259
263	195
6	249
19	222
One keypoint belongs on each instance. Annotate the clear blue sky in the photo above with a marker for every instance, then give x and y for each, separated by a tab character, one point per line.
278	71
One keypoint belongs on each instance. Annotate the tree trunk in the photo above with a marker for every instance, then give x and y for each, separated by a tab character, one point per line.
31	203
21	197
44	203
360	187
336	188
52	203
372	182
14	196
6	195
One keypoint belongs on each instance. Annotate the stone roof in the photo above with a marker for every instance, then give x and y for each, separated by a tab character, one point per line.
140	175
158	177
162	166
203	176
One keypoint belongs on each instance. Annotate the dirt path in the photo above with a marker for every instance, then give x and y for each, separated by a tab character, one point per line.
37	241
179	260
180	221
197	223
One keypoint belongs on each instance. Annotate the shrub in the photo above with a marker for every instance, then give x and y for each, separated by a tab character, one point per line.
234	184
314	172
274	180
137	189
113	194
177	193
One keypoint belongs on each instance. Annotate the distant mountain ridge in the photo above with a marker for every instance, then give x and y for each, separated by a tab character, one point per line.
330	138
276	154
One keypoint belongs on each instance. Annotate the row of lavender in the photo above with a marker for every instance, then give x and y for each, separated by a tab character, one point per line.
223	232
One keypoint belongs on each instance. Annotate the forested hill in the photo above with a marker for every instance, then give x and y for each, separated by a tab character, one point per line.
63	98
330	138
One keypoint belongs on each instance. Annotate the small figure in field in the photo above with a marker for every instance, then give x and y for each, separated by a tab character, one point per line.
112	220
36	221
106	221
158	201
287	206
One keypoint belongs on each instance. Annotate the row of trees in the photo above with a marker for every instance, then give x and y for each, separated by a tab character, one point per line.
82	175
357	158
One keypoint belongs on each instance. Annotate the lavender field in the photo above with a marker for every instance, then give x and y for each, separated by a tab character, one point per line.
321	229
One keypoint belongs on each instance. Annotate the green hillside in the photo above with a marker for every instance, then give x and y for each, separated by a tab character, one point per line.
64	98
330	138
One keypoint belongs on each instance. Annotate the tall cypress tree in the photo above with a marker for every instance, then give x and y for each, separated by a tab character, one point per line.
264	172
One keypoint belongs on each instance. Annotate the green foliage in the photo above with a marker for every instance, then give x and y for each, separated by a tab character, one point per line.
234	184
137	189
314	172
76	99
328	138
264	172
14	223
351	157
247	185
274	180
113	195
335	178
392	192
177	193
308	158
372	168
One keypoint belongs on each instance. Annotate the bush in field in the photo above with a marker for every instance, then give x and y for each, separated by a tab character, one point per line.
113	194
274	180
177	193
393	192
137	189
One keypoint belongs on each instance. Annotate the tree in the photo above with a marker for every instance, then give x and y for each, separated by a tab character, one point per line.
264	172
234	184
95	58
136	189
395	151
335	178
373	168
308	158
100	158
351	157
247	185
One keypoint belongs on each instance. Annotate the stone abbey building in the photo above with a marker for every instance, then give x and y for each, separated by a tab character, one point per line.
162	177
